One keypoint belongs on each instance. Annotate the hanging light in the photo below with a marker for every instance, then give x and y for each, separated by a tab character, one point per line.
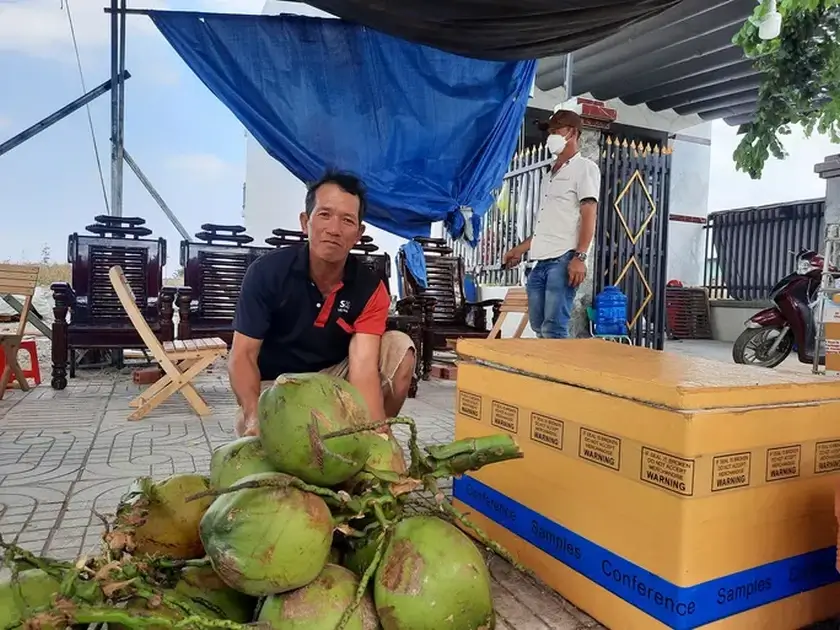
771	24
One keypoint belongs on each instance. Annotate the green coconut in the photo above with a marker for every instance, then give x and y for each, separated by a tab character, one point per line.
263	541
35	590
297	410
158	520
432	576
203	586
236	460
385	455
320	604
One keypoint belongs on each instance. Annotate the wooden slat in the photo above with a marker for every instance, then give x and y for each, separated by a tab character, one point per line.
18	279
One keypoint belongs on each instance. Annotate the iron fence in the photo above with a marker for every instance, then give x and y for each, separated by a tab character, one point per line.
509	221
748	250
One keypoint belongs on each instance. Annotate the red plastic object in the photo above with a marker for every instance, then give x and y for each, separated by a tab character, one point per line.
34	372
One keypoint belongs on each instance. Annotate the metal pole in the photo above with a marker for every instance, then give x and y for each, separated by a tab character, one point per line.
53	118
118	203
155	195
568	83
114	103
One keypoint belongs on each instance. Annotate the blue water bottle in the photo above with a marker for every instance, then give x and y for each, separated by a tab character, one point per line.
611	312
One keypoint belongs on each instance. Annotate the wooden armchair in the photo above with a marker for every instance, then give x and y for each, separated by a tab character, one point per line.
447	313
214	268
97	319
409	316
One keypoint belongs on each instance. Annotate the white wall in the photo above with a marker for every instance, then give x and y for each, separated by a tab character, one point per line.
690	169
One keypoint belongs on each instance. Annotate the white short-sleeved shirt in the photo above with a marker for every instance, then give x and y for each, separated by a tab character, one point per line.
558	218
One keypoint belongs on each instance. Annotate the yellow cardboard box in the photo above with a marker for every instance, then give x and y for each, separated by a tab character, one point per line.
658	490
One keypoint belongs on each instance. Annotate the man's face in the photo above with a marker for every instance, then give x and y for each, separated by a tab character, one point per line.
333	227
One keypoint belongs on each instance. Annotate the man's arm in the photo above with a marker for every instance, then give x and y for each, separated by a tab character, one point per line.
513	255
364	372
244	374
588	190
588	214
363	359
250	325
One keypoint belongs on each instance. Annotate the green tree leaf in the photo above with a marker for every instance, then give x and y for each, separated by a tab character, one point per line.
800	78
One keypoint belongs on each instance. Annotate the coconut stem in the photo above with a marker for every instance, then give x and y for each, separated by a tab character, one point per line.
279	481
53	568
456	458
367	576
89	615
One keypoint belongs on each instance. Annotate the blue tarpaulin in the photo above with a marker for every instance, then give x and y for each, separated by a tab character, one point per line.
430	133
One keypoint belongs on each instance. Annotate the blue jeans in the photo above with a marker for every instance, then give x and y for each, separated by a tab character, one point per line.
550	297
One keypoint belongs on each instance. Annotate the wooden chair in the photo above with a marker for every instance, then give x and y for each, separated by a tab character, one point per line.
516	301
97	321
17	280
447	313
181	361
214	267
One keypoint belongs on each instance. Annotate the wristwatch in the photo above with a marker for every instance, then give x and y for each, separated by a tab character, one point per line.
581	256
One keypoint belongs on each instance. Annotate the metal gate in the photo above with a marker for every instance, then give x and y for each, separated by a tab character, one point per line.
632	233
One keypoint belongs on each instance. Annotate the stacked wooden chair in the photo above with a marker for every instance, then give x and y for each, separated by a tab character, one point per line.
96	318
16	280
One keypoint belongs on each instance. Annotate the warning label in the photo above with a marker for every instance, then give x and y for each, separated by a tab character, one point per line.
827	457
469	405
783	462
668	471
600	448
547	430
504	416
731	471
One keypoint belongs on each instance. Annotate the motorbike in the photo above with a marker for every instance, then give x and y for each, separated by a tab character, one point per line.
772	334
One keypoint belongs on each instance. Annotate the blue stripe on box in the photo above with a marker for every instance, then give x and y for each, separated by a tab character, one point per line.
678	607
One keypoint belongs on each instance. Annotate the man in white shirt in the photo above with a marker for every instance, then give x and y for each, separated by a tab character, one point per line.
564	230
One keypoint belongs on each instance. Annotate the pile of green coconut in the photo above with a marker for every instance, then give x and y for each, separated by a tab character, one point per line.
311	526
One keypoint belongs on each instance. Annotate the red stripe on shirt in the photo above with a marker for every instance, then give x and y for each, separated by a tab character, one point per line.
374	316
326	309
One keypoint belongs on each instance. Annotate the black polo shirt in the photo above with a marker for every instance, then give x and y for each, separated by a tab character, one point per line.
301	329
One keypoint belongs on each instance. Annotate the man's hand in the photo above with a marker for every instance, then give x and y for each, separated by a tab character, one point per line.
247	425
512	257
577	272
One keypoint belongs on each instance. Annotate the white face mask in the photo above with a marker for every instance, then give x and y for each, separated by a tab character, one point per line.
556	143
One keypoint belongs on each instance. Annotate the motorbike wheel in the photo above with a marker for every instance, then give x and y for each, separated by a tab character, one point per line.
752	346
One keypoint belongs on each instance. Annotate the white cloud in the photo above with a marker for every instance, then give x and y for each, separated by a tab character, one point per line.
782	180
202	166
40	28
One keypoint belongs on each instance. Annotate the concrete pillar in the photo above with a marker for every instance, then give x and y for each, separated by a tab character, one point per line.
829	170
596	119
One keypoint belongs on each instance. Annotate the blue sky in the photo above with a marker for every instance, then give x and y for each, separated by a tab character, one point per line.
189	145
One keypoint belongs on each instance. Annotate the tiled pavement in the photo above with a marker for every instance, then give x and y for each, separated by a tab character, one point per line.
65	454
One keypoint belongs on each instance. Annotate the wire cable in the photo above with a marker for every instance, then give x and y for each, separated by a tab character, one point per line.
66	4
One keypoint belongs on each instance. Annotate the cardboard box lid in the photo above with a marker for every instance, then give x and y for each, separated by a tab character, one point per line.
672	380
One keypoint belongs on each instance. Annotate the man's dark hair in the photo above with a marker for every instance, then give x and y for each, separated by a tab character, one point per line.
347	182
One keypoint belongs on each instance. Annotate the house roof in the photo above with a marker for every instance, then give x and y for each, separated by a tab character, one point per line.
682	59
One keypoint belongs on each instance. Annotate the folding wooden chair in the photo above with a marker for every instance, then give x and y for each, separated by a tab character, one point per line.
180	360
516	301
16	280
